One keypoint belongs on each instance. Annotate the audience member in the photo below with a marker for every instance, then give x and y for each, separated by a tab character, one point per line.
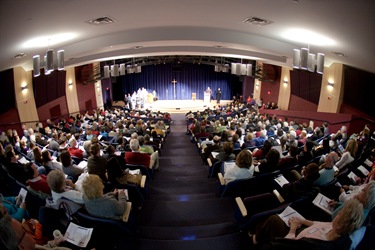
62	188
243	168
111	205
97	164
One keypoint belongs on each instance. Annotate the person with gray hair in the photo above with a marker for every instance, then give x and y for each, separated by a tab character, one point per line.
62	188
326	172
136	157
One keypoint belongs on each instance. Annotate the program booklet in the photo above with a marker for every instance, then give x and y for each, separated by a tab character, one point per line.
77	235
280	179
21	197
321	202
289	213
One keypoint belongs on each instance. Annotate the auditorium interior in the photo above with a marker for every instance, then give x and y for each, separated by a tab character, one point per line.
305	62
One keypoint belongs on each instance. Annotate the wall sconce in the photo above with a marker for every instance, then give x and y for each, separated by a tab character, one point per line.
70	84
286	82
23	88
330	84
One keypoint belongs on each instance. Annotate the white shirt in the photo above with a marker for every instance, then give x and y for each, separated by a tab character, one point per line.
236	173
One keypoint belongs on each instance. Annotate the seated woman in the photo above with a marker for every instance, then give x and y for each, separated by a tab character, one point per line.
348	155
262	152
243	168
349	219
326	172
270	164
49	164
303	182
248	141
110	205
70	169
235	141
62	188
227	154
8	205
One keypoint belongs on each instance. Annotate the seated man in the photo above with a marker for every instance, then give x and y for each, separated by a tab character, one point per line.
136	157
73	150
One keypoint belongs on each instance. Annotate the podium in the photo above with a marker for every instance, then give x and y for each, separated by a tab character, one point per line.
207	97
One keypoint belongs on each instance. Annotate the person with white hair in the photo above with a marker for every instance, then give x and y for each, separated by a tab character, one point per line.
136	157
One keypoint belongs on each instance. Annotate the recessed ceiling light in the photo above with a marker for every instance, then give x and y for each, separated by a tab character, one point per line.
48	41
19	55
138	47
219	46
307	37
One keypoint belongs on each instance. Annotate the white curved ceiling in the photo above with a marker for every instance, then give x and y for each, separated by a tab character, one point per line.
191	27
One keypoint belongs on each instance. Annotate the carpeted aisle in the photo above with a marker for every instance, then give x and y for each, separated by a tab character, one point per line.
182	210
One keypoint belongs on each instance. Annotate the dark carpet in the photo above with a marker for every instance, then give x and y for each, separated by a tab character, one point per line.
182	210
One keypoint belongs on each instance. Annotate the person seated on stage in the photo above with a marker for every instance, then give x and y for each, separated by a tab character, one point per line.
111	205
349	219
63	188
243	168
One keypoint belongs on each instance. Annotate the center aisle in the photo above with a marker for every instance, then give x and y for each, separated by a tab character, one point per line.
182	210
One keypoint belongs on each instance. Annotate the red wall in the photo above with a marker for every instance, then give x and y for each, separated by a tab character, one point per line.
44	111
270	90
11	120
298	104
335	121
360	119
86	93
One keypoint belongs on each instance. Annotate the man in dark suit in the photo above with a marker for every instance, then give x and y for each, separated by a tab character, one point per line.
218	95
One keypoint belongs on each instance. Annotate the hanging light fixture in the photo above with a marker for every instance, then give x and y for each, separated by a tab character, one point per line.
48	62
303	59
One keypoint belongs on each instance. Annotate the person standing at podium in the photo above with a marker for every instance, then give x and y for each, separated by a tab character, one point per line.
218	95
209	91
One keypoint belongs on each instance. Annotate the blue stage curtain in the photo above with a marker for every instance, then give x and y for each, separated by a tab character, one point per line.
191	78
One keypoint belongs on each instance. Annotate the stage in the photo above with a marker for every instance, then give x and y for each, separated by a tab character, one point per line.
179	106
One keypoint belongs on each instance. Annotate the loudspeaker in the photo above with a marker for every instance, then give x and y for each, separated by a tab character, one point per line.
320	63
296	58
304	58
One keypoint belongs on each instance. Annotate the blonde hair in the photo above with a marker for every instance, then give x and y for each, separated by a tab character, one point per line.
369	191
350	218
352	147
92	187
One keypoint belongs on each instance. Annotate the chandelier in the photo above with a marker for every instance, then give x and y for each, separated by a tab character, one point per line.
48	62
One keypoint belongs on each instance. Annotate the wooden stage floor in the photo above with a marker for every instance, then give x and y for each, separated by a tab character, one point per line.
182	106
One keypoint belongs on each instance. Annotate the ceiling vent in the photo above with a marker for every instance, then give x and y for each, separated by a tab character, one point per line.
19	55
257	21
102	20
